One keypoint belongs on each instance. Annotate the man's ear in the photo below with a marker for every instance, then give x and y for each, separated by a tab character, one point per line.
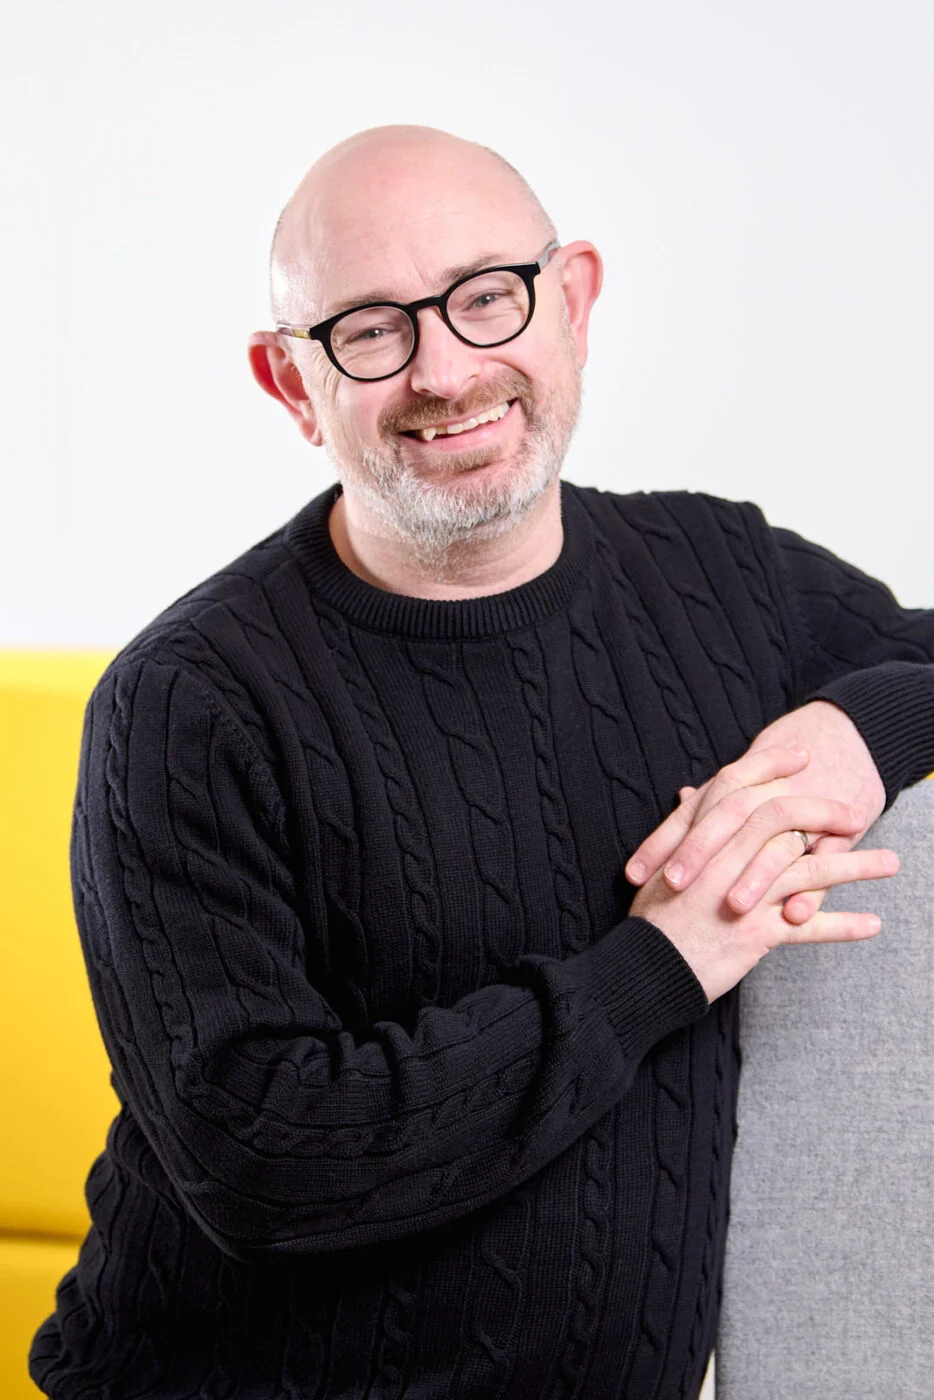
275	371
581	280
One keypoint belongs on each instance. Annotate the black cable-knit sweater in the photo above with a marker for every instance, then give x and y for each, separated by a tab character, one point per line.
410	1106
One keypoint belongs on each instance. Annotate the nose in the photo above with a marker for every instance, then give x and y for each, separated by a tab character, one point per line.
443	366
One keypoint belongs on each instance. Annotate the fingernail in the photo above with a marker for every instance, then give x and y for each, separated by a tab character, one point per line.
743	897
874	924
674	874
799	750
636	872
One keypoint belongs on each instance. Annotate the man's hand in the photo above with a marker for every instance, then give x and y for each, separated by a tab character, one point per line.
720	946
815	751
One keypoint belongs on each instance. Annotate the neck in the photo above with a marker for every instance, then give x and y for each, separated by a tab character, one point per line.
472	568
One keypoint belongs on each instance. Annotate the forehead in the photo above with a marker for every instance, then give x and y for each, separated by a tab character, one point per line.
404	234
384	275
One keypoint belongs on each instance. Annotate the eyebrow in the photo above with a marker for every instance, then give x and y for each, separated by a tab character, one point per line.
447	277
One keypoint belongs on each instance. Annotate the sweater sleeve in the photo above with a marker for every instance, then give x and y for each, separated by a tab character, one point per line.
865	653
278	1129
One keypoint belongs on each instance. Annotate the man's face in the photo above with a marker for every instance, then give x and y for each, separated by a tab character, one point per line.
435	490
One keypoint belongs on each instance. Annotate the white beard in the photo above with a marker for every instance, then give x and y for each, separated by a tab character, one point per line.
430	515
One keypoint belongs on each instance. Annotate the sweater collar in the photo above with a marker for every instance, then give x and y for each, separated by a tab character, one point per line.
438	619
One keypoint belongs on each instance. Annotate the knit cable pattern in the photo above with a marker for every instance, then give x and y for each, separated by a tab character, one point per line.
395	1336
454	708
595	1206
673	691
673	1111
408	816
750	562
494	1300
612	725
569	890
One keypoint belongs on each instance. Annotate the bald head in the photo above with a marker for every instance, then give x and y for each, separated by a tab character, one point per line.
386	198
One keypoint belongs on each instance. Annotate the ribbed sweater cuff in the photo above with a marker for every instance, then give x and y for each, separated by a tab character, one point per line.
643	984
892	706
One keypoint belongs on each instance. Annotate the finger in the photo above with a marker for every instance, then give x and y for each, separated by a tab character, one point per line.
748	826
755	768
834	928
656	848
760	874
798	908
784	848
823	872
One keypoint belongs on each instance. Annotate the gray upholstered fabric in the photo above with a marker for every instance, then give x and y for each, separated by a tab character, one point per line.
829	1288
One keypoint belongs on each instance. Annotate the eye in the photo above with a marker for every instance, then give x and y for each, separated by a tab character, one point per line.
368	329
370	334
490	297
483	300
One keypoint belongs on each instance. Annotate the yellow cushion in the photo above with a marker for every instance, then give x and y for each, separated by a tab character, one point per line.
57	1096
30	1272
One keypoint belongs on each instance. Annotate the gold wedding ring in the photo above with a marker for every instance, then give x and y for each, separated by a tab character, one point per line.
805	840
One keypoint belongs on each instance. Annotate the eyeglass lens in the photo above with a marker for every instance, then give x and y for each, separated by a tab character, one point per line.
377	340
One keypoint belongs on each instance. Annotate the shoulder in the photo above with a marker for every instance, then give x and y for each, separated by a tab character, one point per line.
686	517
700	549
230	629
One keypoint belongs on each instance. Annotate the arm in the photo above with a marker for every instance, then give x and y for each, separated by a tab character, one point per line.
867	655
279	1130
867	727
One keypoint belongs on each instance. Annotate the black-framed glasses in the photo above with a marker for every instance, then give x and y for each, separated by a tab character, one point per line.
378	340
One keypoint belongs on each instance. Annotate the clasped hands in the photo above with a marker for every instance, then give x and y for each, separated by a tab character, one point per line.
726	876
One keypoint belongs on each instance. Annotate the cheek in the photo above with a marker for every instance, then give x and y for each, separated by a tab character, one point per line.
330	381
352	411
542	351
545	365
552	326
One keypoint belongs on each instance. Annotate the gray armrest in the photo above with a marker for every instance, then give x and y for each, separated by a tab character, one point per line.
829	1285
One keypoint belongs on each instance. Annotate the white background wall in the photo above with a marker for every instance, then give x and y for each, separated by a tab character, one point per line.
758	177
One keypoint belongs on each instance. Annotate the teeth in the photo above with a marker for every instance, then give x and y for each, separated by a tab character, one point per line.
493	415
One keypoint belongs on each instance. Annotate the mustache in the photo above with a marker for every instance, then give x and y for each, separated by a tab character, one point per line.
427	412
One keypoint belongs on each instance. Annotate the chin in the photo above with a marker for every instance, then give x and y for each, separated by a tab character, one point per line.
483	497
469	495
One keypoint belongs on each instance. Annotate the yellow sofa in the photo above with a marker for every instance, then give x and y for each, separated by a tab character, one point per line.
57	1099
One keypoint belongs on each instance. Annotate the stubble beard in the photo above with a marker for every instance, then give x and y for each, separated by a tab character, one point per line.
432	515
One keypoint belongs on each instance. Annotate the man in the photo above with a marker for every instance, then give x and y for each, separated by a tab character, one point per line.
417	1098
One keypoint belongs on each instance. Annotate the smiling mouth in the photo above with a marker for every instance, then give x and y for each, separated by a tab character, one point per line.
462	425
